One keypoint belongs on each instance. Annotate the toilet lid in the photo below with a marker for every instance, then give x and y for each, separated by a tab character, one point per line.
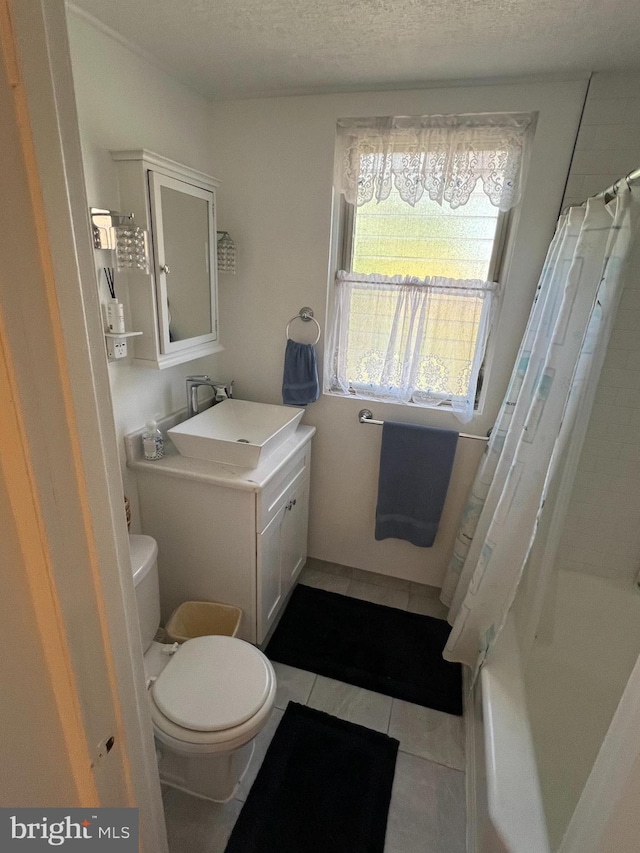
213	683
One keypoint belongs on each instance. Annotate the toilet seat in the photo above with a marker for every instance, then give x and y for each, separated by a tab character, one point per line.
214	694
213	683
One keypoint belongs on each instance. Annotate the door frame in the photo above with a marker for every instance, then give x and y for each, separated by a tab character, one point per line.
53	343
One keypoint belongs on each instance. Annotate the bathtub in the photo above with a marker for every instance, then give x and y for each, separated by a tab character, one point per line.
587	646
534	729
505	807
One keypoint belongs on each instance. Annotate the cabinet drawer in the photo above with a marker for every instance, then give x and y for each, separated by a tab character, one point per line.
277	492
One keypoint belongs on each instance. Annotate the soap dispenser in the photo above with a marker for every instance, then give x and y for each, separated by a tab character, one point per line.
152	441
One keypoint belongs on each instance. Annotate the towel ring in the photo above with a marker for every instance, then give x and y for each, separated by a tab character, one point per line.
305	314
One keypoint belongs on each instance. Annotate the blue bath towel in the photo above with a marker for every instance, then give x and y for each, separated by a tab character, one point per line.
300	377
415	469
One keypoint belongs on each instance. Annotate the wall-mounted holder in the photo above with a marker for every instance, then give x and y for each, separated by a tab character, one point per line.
306	315
365	416
106	226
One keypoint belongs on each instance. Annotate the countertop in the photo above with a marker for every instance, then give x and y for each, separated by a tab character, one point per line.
175	465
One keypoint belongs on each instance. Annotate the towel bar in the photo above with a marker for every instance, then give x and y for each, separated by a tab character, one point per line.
365	416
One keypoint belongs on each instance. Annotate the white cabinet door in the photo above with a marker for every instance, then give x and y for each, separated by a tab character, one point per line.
269	586
282	552
184	246
293	536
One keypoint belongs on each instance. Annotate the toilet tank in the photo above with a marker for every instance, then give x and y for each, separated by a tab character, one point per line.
144	565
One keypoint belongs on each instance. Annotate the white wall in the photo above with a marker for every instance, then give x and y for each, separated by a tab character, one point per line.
124	102
275	160
607	819
602	535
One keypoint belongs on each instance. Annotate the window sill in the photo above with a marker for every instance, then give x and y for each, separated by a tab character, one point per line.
445	406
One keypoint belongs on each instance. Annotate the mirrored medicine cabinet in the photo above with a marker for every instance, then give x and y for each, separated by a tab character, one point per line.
176	306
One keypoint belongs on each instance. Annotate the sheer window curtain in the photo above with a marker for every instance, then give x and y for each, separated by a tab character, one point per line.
409	340
581	285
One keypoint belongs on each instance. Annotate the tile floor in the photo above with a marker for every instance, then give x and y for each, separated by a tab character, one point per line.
427	812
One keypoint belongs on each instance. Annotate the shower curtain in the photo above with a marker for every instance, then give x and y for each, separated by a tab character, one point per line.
550	393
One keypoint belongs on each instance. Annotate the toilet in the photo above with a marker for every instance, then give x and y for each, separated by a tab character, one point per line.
208	697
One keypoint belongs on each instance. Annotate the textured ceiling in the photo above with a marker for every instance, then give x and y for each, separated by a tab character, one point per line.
242	48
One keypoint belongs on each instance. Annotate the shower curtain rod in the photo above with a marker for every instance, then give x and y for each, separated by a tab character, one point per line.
632	177
610	192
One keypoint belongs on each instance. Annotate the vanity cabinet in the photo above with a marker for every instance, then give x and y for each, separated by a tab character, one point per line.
175	306
228	535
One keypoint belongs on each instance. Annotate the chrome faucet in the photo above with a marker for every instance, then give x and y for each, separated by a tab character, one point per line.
221	391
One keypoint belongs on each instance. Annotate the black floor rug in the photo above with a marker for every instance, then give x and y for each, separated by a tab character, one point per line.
324	787
370	645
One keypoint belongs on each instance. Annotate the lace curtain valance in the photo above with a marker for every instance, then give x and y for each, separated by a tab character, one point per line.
444	156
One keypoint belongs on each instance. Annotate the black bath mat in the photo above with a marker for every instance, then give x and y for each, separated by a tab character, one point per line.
379	648
324	787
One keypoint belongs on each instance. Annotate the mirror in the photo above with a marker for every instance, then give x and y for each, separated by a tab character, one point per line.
186	245
184	254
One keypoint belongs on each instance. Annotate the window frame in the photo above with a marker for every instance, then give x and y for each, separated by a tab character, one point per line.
347	213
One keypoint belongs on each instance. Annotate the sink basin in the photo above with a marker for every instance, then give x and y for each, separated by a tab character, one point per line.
236	432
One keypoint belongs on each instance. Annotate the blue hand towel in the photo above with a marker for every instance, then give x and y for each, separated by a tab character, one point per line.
415	469
300	377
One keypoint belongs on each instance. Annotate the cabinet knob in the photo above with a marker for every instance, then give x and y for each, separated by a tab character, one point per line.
165	269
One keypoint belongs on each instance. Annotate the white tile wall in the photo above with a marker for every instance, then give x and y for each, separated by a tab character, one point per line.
602	533
608	144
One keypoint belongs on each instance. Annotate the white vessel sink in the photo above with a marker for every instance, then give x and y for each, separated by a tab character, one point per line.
236	432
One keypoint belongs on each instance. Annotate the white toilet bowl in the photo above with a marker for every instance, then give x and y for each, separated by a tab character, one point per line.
208	697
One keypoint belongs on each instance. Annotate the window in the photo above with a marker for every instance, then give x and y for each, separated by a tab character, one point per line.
423	225
391	238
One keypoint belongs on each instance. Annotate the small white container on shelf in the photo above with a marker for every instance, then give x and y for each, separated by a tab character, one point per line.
115	317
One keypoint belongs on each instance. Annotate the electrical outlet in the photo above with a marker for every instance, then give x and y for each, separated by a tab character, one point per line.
116	348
